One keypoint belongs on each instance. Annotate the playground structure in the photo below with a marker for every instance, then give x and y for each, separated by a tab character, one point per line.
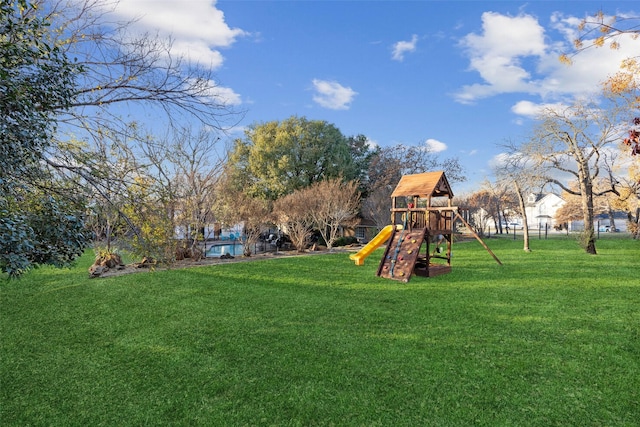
422	216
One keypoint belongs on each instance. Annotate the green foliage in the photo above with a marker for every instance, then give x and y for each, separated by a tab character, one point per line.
39	222
344	241
36	80
40	229
277	158
153	236
548	339
16	238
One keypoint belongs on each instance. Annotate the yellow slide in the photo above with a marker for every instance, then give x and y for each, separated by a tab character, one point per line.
374	244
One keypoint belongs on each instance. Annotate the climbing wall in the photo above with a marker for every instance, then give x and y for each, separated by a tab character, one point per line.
401	254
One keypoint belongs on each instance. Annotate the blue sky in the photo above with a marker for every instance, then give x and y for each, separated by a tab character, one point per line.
461	77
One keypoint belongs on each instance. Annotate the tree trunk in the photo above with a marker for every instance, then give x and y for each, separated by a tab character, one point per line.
525	223
612	219
589	238
108	235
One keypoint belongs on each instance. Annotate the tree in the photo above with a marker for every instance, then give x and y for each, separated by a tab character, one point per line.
153	226
571	210
613	31
276	158
629	202
293	215
573	141
633	140
386	167
107	197
41	217
334	204
625	86
124	68
254	213
181	175
479	216
515	170
377	205
121	69
610	31
502	202
362	153
111	68
195	169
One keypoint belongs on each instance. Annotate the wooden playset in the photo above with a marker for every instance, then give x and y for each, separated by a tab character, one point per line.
421	235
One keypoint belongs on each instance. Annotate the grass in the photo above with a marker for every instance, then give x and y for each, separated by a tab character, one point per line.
549	338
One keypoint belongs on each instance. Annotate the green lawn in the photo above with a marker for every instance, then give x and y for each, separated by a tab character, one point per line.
551	338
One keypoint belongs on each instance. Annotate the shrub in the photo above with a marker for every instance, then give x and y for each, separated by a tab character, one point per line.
344	241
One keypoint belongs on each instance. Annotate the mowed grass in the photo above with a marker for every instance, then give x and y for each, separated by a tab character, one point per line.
551	338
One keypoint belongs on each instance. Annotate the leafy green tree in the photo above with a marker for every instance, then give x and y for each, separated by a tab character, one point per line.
41	218
362	154
276	158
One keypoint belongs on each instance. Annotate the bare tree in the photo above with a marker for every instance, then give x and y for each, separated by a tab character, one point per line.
236	207
179	175
478	204
502	202
121	71
197	170
153	228
118	168
293	215
597	31
120	67
571	210
335	204
516	170
377	205
386	168
574	141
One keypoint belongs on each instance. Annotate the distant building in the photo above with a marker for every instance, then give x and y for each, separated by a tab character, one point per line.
541	209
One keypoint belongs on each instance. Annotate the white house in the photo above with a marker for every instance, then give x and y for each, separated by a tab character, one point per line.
541	209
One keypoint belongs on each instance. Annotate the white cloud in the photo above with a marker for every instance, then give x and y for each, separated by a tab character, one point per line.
223	95
227	95
532	110
497	54
516	55
372	144
332	95
197	28
402	47
499	161
435	146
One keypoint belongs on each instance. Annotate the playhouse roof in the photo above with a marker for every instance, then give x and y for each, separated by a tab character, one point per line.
428	184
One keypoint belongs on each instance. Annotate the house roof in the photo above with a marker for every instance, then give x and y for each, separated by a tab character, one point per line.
540	197
428	184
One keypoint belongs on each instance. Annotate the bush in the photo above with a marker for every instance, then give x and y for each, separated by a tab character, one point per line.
344	241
